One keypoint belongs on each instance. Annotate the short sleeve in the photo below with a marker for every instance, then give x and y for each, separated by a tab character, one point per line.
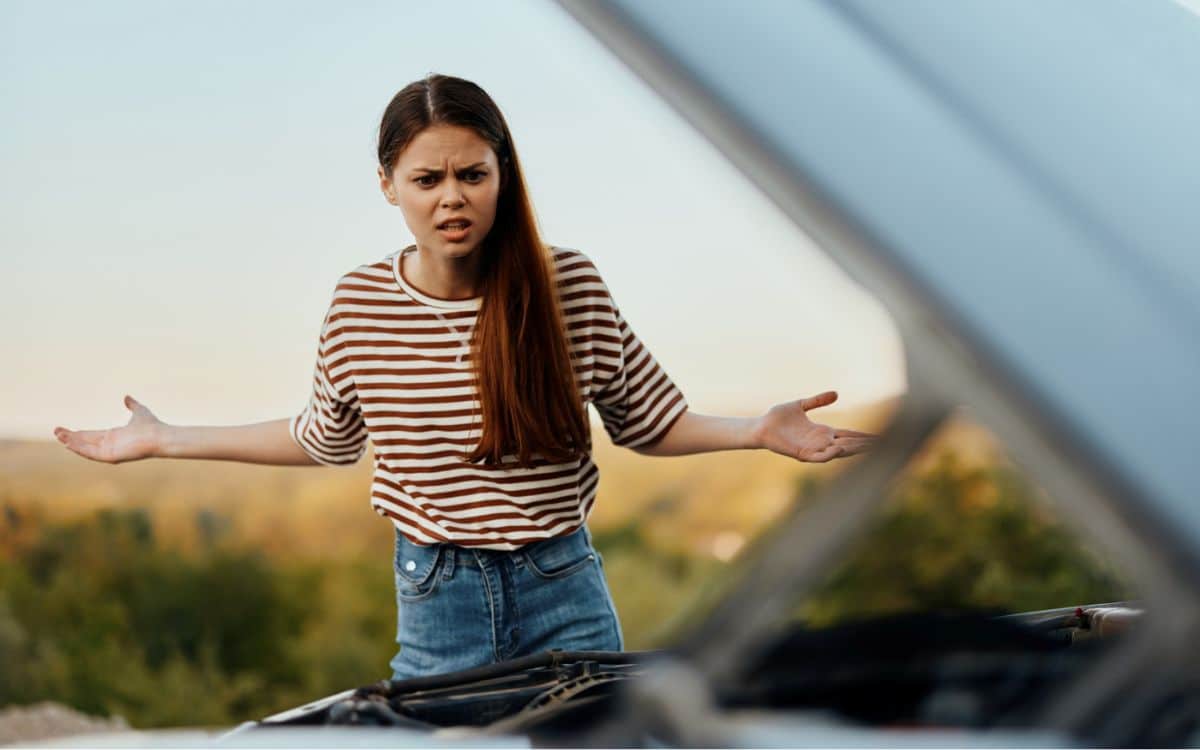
638	402
331	427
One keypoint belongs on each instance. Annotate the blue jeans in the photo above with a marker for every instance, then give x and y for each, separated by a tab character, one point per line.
462	607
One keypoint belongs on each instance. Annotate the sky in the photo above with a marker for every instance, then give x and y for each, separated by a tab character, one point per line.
185	182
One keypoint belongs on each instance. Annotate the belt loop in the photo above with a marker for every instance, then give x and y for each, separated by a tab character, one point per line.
448	567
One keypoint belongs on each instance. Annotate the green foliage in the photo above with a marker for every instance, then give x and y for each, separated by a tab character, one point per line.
97	615
652	588
100	615
958	537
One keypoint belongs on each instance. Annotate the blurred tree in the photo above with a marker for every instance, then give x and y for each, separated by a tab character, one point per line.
959	537
95	614
99	614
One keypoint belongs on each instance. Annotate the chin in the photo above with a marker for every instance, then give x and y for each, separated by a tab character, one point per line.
451	249
456	249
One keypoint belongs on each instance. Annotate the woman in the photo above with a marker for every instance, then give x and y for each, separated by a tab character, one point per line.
467	359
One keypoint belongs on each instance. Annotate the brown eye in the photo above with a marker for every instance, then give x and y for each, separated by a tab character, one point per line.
421	180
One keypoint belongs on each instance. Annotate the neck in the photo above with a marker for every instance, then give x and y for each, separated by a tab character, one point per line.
453	278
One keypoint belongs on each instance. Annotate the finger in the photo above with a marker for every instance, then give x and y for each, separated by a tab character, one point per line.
853	441
819	400
68	438
852	446
85	442
847	441
93	437
842	432
135	406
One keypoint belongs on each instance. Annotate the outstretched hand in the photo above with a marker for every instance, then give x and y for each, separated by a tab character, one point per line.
787	430
137	439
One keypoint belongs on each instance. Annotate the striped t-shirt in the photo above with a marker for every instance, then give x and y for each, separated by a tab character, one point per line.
390	369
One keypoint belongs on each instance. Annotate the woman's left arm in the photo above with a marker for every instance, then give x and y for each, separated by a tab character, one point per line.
784	429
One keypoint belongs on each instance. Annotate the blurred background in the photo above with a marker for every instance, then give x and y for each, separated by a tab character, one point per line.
185	183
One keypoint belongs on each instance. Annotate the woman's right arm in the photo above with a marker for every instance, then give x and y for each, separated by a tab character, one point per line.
146	436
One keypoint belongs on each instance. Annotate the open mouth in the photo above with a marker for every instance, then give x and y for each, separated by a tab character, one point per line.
454	226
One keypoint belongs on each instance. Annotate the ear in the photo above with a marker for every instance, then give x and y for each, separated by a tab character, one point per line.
385	184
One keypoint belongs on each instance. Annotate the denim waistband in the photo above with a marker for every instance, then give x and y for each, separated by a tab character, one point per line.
419	559
471	557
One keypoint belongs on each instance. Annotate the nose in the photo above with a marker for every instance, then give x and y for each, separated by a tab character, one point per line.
451	193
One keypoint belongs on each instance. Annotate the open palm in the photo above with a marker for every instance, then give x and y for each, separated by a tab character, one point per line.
137	439
787	430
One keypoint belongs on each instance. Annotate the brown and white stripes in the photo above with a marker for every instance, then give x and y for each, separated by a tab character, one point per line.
390	369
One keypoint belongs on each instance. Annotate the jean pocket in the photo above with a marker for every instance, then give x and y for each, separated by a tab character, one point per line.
559	556
416	567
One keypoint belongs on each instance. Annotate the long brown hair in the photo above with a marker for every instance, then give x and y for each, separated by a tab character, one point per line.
528	396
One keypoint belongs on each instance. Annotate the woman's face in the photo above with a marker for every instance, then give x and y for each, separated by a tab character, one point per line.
446	172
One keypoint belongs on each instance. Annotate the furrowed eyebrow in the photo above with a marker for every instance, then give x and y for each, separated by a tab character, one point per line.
464	169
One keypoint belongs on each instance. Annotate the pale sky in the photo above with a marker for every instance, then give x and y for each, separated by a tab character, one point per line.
185	182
